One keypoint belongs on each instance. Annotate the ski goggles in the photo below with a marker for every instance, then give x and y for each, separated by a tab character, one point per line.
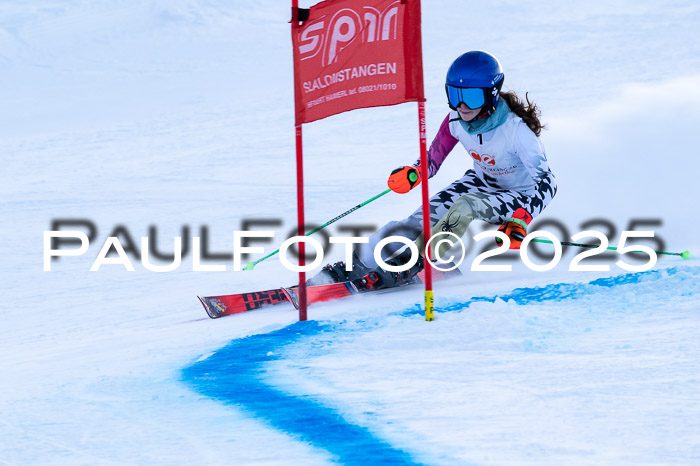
472	97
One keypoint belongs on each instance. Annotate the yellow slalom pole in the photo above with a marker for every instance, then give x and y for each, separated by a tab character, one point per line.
429	305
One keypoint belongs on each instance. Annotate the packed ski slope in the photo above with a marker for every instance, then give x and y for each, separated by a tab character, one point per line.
178	115
559	374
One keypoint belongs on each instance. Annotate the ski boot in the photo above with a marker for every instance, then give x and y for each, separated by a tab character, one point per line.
380	278
336	273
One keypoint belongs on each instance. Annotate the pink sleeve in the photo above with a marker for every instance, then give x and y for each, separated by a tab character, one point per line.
442	145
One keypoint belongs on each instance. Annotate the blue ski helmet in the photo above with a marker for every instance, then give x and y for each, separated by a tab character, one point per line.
475	78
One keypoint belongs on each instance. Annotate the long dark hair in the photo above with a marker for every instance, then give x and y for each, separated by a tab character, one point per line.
530	113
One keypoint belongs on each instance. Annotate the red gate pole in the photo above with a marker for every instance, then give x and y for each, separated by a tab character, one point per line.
300	223
426	210
300	203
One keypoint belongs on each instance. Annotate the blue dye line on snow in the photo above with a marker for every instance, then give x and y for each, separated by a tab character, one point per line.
234	374
562	291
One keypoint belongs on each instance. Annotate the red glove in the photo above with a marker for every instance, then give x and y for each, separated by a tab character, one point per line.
516	228
404	179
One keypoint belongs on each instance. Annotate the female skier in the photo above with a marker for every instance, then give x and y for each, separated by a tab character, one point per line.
509	185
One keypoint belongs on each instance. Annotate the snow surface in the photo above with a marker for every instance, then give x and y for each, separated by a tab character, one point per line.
179	113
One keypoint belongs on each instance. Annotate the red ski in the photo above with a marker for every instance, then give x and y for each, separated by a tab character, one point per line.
220	306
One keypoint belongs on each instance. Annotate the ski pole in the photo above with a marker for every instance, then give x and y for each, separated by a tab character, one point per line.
685	254
251	265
